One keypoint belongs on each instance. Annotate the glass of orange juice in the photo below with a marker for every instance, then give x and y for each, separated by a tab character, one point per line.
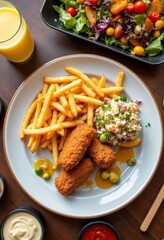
16	42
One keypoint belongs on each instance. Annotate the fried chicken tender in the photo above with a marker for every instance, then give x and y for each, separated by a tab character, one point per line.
76	146
67	181
102	154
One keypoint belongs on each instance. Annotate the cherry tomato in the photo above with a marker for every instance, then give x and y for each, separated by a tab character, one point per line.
156	33
155	16
118	31
72	11
123	40
140	7
138	50
130	7
110	31
93	1
159	24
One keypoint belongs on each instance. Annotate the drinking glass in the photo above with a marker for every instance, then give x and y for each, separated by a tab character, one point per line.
16	42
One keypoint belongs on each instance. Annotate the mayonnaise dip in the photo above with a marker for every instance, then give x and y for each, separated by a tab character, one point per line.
22	226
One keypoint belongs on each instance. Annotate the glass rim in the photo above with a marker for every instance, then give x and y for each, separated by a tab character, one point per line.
20	18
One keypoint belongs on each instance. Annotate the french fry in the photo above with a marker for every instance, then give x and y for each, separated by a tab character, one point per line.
102	82
62	140
113	95
44	130
45	144
55	151
45	88
48	115
95	81
53	121
120	79
83	118
85	79
45	105
62	90
90	114
70	124
35	143
72	105
76	89
63	79
79	110
88	100
61	118
37	112
87	90
110	90
63	101
27	117
54	128
60	108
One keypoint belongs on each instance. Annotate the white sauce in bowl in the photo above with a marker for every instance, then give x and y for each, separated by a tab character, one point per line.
22	226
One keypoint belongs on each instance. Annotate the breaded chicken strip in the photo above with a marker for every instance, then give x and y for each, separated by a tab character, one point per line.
68	181
76	146
102	154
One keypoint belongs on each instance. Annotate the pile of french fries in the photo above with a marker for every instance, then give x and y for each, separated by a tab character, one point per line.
63	103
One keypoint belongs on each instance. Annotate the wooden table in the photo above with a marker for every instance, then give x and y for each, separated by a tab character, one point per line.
51	44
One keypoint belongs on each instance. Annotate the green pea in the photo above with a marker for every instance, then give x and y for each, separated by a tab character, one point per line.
103	138
114	177
46	175
123	98
105	175
131	161
38	170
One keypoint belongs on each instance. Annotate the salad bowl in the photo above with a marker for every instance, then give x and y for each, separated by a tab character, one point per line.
51	18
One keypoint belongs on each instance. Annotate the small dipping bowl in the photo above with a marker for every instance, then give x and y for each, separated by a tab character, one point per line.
2	186
98	230
23	223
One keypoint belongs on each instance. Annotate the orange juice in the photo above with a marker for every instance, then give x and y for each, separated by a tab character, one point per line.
16	42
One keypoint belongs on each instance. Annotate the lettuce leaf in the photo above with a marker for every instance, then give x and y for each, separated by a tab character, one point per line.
139	19
162	1
112	41
82	26
68	21
155	47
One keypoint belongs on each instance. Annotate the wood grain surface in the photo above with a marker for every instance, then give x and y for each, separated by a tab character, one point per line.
51	44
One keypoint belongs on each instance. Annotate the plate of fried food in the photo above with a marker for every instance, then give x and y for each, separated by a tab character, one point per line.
78	136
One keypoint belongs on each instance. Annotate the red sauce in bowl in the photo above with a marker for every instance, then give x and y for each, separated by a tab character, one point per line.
98	231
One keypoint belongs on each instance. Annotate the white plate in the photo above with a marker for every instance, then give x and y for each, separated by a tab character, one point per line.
83	203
